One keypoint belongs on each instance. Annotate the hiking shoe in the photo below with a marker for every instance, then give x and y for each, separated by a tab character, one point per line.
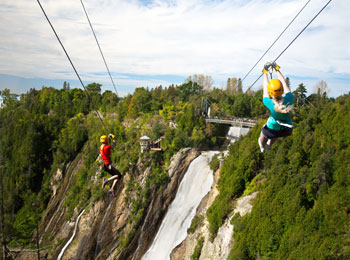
112	192
104	182
262	149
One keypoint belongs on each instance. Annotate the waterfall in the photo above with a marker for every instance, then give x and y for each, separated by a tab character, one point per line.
71	239
173	230
235	132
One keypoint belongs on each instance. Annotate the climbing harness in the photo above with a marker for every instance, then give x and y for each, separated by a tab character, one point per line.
284	124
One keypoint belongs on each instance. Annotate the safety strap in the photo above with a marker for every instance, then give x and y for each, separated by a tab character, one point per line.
284	124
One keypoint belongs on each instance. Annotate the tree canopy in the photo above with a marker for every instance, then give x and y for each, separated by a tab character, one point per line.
302	208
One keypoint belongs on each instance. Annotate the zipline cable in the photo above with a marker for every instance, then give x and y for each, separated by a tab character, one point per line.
276	40
293	40
76	72
104	60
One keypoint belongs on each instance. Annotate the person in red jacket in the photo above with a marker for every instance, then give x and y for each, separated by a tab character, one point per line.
105	152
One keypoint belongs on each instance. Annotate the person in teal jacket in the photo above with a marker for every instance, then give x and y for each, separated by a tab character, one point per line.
279	123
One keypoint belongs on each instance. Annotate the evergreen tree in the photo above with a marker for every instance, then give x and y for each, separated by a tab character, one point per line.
300	95
239	86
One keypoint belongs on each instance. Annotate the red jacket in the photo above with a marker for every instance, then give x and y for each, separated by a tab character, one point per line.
106	154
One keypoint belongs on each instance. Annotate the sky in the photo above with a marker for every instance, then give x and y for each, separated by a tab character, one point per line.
147	43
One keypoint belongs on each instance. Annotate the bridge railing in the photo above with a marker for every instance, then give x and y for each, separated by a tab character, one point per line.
243	122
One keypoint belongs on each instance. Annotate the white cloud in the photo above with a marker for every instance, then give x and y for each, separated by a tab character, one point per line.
218	38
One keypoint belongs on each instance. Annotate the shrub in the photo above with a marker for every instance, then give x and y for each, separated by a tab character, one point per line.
198	249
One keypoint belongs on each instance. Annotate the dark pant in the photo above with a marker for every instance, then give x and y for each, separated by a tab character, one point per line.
271	134
111	170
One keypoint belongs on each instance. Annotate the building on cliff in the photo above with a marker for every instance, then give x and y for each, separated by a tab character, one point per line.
148	145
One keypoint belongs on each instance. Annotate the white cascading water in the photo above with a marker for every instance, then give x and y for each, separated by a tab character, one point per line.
235	132
194	186
72	237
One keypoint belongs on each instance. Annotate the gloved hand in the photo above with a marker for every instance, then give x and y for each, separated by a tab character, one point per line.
275	66
266	67
110	136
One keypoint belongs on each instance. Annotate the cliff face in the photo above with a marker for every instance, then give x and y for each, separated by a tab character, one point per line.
218	248
106	223
107	229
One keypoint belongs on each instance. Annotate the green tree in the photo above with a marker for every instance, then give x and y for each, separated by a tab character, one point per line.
300	95
188	89
8	98
168	112
239	86
109	100
242	106
94	87
66	86
301	209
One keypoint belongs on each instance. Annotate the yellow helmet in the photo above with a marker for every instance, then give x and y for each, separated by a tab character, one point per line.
275	88
104	139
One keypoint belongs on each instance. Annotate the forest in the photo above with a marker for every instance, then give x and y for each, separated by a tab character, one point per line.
302	208
43	130
301	211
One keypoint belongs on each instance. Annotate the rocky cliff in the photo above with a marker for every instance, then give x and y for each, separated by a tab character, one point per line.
200	240
109	228
106	229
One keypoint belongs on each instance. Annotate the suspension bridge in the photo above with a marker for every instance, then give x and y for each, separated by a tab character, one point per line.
233	121
239	122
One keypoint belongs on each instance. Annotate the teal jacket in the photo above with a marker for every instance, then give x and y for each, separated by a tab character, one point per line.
276	119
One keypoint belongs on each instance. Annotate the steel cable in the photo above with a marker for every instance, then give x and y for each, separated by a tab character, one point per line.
293	40
276	40
99	47
76	72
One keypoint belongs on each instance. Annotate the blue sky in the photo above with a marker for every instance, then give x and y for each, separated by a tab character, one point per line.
149	43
